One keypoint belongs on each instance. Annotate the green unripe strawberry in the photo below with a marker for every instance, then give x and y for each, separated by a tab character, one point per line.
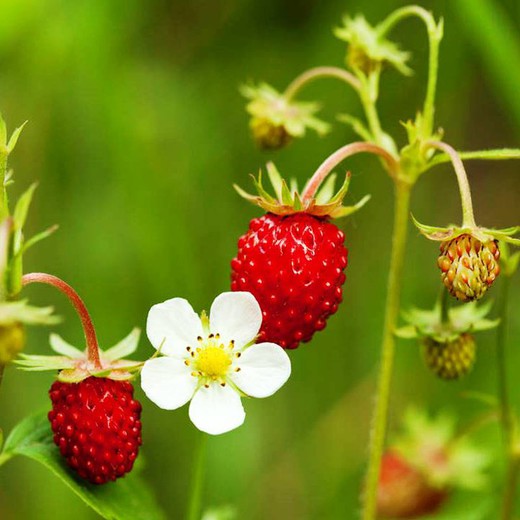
468	266
12	341
450	359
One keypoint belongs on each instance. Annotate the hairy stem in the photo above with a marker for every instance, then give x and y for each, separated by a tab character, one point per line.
380	414
81	309
434	39
468	219
317	73
340	155
503	393
513	462
197	481
368	96
501	154
4	210
508	503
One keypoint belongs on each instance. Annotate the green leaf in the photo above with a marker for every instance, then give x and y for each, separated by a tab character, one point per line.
14	138
22	207
129	498
38	237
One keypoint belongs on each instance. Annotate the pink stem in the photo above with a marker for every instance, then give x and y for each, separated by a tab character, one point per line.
339	155
81	309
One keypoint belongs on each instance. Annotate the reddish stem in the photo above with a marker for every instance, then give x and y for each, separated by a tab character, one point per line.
81	309
340	155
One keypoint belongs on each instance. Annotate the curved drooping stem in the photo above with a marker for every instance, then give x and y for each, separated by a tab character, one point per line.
81	309
380	414
434	38
317	73
468	218
340	155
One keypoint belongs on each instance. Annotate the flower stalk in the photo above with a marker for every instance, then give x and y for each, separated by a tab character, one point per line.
468	218
197	482
79	306
318	73
380	415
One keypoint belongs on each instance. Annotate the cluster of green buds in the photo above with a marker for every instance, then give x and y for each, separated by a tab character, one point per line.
15	314
446	336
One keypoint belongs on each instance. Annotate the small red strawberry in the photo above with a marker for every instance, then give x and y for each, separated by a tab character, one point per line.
293	259
95	418
97	427
404	492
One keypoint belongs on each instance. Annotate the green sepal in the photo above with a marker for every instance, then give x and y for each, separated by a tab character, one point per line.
39	237
460	462
443	234
466	318
41	363
60	346
125	347
21	312
289	201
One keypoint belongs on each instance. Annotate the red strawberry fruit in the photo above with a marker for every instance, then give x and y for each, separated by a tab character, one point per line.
95	418
97	427
404	492
293	259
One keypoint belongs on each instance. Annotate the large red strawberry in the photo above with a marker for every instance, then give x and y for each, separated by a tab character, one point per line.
97	427
293	260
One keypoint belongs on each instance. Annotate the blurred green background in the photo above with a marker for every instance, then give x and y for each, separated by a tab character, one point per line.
136	133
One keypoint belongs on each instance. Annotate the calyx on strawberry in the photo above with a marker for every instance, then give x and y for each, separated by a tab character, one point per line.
94	417
425	462
446	336
293	258
469	257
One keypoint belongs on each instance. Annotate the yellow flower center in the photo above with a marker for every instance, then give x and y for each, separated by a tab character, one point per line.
213	362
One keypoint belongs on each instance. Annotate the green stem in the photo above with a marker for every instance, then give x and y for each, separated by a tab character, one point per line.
380	415
468	218
340	155
197	481
445	317
317	73
502	154
368	94
435	33
508	503
4	210
503	394
513	463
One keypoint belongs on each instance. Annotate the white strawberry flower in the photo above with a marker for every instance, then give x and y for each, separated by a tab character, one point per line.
212	362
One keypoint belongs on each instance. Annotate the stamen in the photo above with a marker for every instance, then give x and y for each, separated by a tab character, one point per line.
206	386
199	338
222	384
187	362
238	369
238	354
188	348
211	336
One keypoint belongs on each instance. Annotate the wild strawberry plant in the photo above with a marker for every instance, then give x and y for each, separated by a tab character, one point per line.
287	280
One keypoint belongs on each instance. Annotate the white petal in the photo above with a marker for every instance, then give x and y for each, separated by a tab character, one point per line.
216	409
168	382
175	323
237	316
264	368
